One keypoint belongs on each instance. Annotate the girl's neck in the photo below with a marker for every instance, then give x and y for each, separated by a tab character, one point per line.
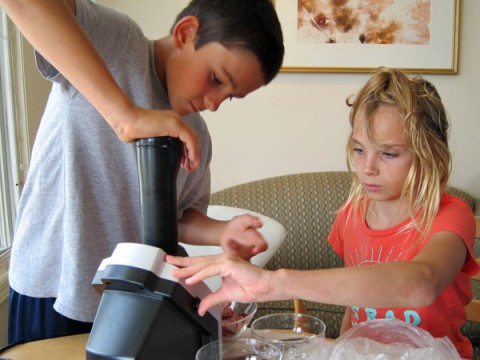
382	215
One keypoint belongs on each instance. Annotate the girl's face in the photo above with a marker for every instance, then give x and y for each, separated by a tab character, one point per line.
383	167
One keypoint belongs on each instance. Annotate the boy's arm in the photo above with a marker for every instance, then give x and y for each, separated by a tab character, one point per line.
53	30
238	235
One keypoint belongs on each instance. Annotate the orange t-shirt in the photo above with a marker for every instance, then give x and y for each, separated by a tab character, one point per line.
360	246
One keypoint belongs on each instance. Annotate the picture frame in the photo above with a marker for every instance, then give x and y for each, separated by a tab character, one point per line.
430	38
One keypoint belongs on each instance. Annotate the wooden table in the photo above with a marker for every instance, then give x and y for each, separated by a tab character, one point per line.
62	348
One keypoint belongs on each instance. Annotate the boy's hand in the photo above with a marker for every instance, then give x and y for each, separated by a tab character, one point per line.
148	123
242	238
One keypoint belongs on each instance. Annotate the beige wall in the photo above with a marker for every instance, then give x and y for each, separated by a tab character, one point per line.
37	90
299	122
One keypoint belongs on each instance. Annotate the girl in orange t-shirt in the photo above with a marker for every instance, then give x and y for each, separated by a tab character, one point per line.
407	245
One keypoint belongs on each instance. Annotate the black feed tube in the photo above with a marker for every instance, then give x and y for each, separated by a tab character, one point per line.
158	161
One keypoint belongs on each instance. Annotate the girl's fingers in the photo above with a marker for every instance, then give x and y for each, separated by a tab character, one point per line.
209	301
193	269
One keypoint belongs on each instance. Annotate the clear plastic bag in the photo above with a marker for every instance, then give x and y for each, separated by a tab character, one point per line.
386	339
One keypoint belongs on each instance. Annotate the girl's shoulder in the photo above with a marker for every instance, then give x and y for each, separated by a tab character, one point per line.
454	214
449	202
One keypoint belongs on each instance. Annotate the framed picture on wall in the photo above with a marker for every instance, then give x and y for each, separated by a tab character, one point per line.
419	36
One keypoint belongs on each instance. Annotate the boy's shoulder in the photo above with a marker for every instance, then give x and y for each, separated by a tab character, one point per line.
103	17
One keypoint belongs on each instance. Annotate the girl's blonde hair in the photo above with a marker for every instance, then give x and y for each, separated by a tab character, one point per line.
426	131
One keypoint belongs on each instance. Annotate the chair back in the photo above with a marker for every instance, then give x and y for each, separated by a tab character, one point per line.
473	308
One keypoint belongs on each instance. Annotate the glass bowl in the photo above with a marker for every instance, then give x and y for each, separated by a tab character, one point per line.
236	317
238	349
296	335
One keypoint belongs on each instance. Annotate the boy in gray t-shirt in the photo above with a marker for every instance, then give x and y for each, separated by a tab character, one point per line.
111	86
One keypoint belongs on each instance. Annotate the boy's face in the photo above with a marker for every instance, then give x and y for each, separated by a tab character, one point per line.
202	79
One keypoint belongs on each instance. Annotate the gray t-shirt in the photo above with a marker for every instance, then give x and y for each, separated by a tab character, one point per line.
81	197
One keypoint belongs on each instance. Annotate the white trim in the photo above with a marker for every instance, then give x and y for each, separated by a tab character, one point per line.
15	103
14	139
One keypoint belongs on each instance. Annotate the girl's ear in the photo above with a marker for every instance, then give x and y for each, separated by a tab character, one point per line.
185	31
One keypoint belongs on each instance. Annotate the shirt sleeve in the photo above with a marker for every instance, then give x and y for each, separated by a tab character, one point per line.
457	217
336	235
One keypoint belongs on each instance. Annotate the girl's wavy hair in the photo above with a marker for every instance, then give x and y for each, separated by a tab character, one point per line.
426	131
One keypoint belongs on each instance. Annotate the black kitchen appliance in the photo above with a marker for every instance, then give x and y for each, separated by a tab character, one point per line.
145	313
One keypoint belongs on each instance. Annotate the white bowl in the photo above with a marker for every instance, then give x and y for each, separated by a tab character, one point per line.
272	231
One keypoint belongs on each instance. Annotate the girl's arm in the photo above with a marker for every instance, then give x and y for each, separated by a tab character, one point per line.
398	284
53	30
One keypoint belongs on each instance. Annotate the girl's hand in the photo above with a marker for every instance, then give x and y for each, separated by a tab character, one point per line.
241	281
242	238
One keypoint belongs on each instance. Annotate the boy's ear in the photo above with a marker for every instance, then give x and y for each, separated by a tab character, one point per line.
185	30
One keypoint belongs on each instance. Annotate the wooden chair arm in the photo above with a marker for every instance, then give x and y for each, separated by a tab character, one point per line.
473	310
